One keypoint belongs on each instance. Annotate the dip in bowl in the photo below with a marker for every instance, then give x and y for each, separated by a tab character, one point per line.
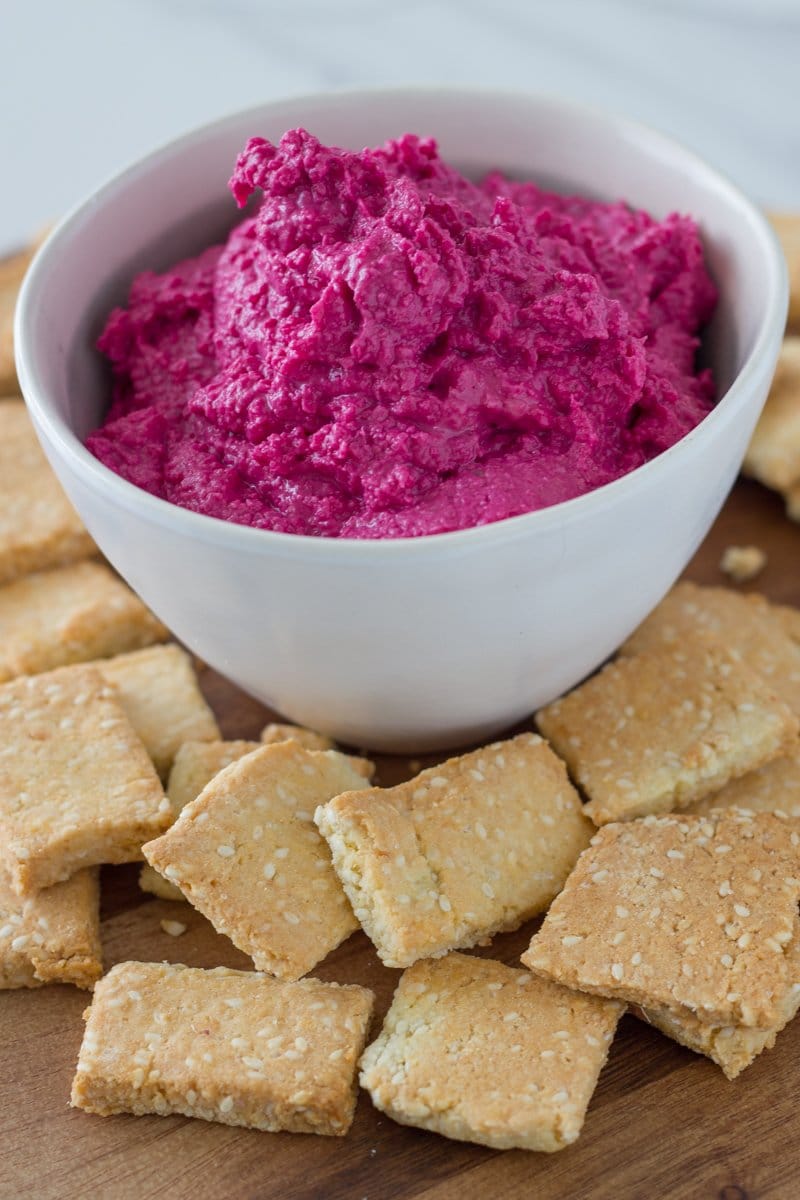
403	642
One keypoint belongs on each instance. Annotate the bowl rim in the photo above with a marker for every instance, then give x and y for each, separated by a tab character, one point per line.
216	530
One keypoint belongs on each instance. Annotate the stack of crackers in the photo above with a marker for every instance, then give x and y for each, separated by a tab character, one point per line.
773	456
653	821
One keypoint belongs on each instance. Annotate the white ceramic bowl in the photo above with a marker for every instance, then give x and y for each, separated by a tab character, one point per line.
433	641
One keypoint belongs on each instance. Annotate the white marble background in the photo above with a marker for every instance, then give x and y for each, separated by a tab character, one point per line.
87	85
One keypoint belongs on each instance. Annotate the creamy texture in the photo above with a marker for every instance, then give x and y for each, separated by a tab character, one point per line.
386	349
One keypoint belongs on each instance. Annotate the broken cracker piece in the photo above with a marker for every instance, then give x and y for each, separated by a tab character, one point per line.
483	1053
246	854
68	615
657	731
774	788
229	1046
77	787
52	936
732	1047
476	845
765	636
195	765
158	689
39	528
743	563
308	738
689	914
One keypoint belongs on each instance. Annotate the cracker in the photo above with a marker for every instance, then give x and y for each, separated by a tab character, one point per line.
760	633
787	227
732	1047
246	853
466	849
308	738
52	936
773	456
743	563
68	615
228	1046
689	914
12	272
158	689
76	785
38	526
195	765
658	731
774	788
483	1053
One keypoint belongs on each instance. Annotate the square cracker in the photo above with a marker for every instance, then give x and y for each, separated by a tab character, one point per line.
12	272
765	636
308	738
246	853
68	615
52	936
228	1046
158	689
476	845
689	914
787	227
773	456
195	765
483	1053
38	525
658	731
76	785
775	788
732	1047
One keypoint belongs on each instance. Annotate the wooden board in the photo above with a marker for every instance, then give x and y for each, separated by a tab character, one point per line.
663	1123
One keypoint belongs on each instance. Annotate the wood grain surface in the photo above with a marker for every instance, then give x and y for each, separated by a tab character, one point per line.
663	1122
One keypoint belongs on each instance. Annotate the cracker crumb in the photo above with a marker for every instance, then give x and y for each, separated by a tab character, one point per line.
743	563
173	928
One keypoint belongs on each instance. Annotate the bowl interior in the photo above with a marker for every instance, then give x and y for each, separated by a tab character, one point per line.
175	202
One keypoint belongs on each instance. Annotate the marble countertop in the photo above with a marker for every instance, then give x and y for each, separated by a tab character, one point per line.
88	86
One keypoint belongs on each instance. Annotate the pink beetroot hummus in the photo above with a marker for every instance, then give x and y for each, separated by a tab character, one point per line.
387	349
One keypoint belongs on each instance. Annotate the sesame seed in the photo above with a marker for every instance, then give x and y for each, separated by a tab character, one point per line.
191	1097
617	970
292	918
572	939
547	1054
269	870
487	890
6	931
225	851
19	943
636	959
599	876
233	1001
444	904
656	873
675	854
562	1034
591	1040
494	986
622	912
170	873
741	910
335	1055
725	888
511	1016
133	995
480	829
226	1104
722	849
560	1097
726	960
282	852
744	941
